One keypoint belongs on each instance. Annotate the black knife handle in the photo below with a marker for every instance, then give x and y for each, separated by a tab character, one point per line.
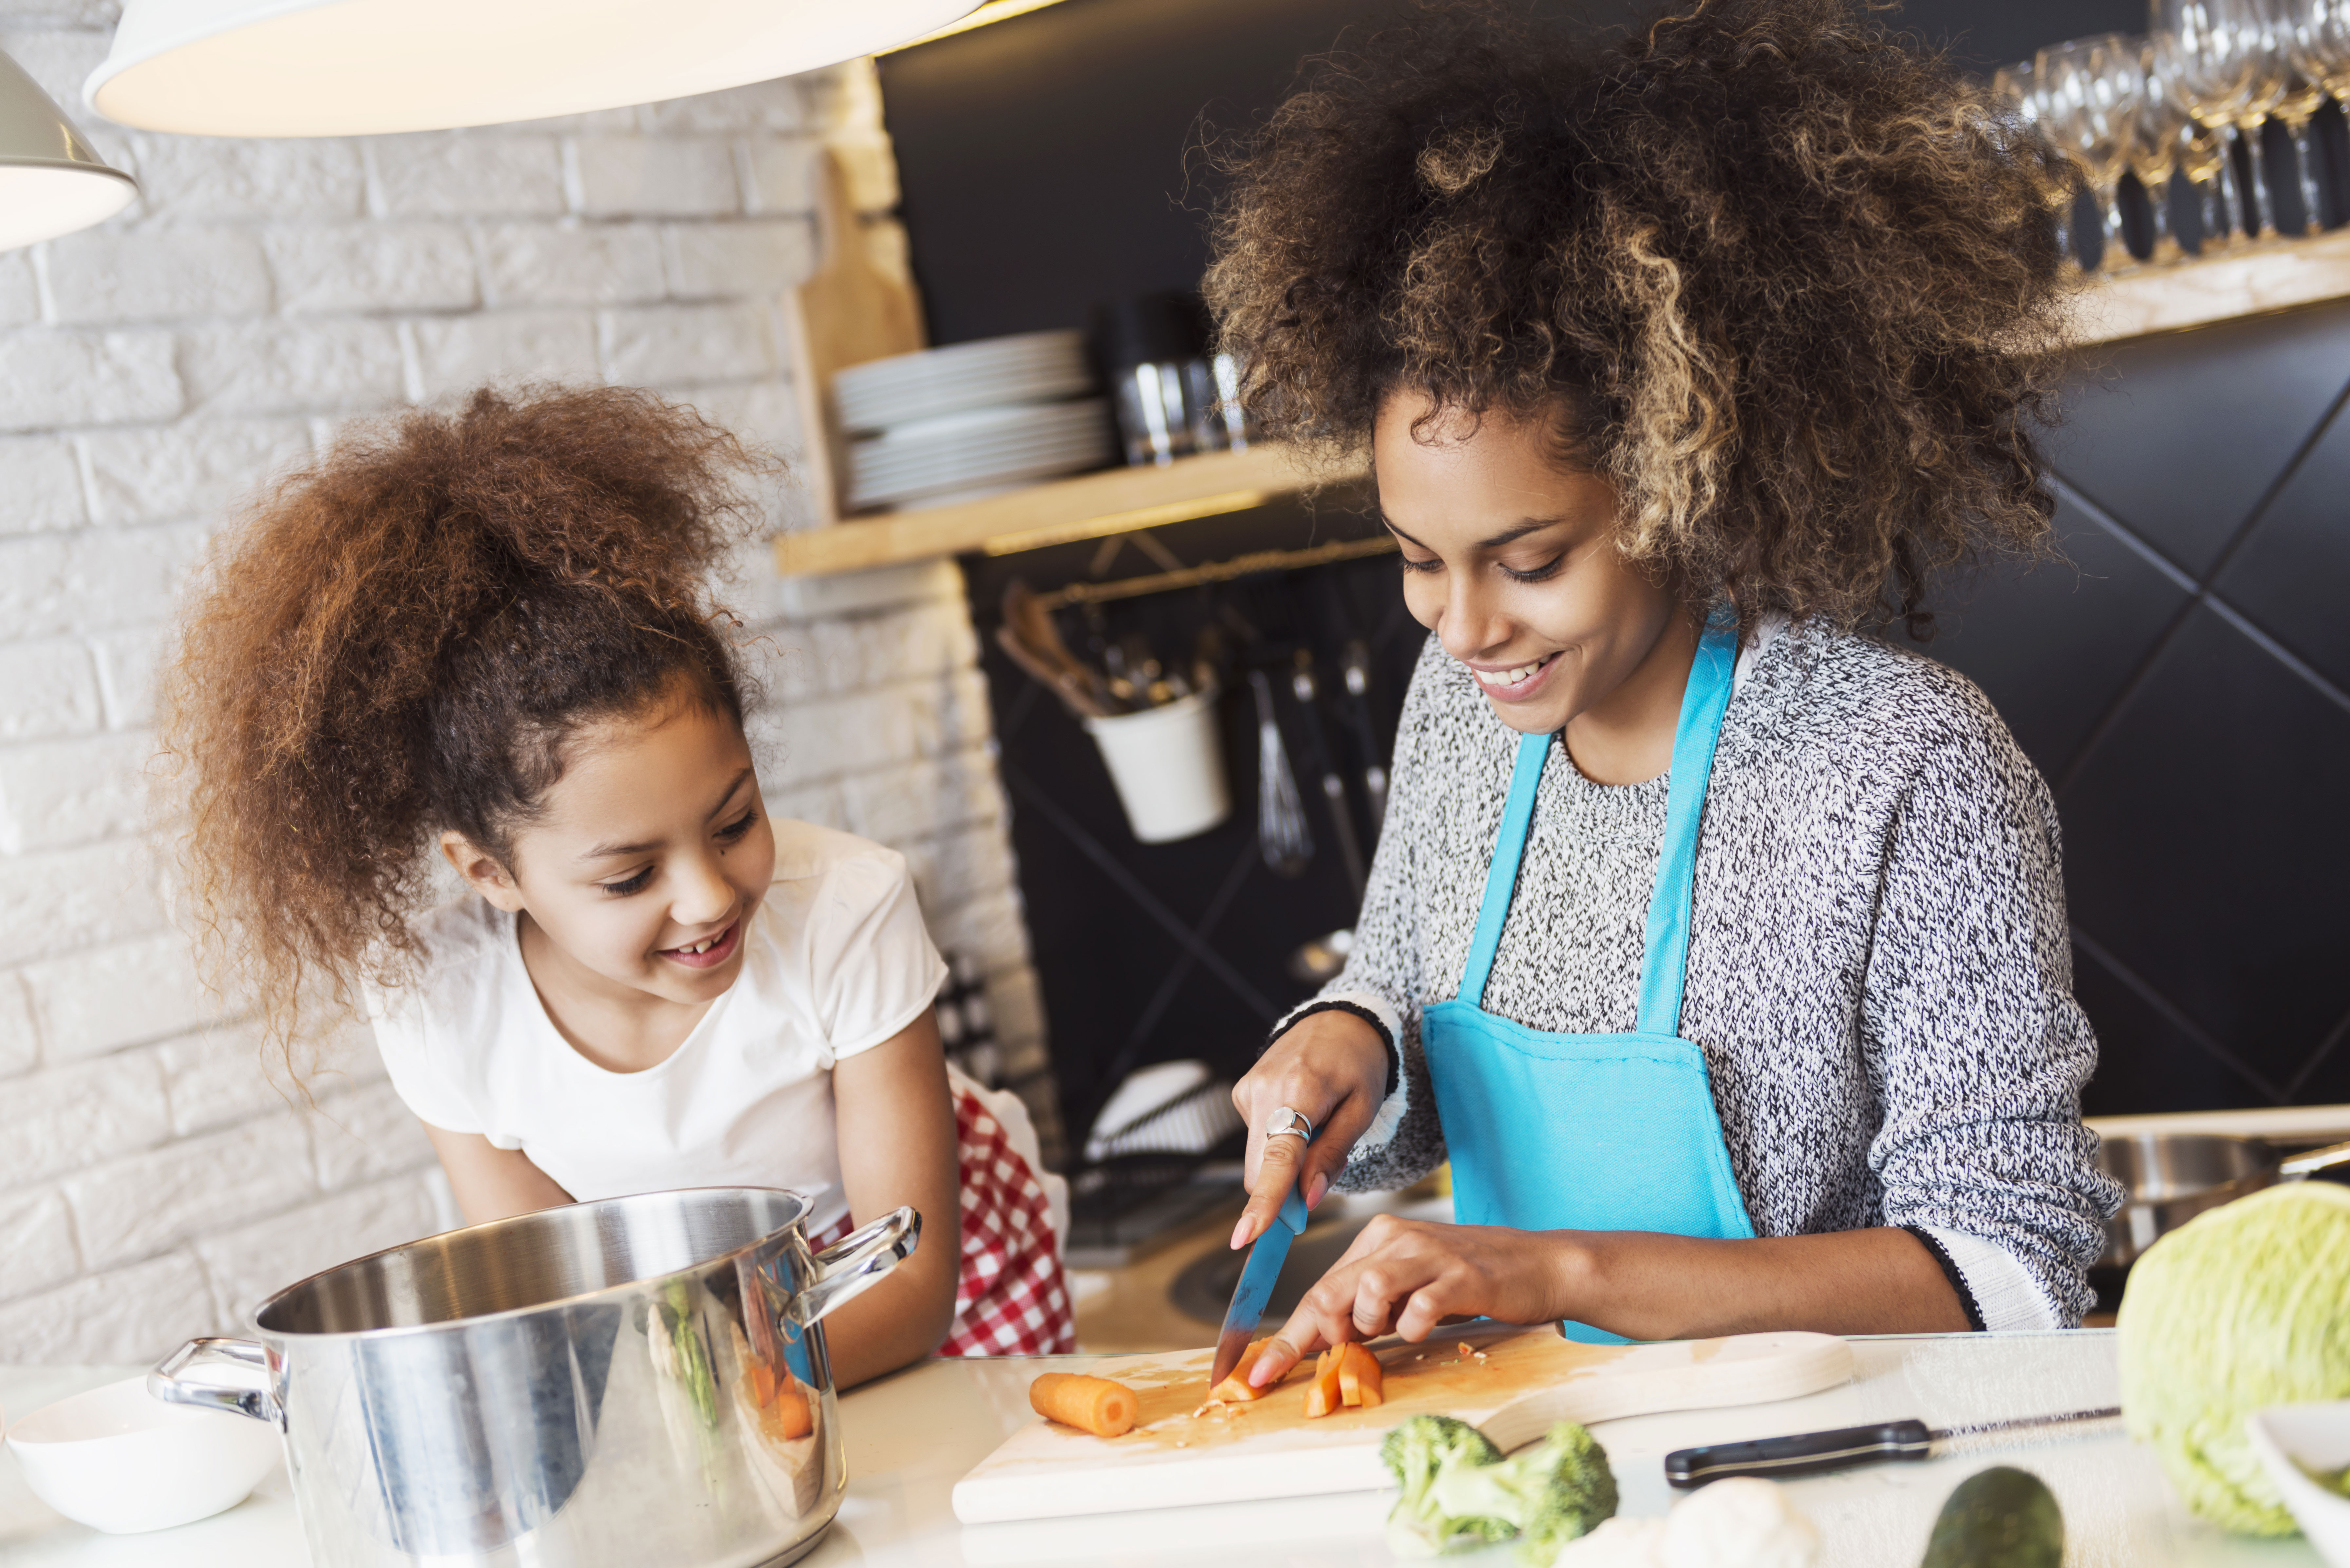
1801	1454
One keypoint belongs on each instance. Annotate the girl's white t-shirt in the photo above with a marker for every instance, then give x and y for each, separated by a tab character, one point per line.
834	961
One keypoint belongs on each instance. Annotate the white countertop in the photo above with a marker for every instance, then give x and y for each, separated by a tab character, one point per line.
912	1436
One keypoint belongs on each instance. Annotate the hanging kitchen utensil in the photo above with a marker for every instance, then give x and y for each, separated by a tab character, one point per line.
1322	758
1207	656
1355	668
1283	837
1167	764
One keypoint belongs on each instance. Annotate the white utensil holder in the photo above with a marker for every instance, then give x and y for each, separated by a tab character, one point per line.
1169	766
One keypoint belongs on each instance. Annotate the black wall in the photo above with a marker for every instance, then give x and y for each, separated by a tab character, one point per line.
2184	685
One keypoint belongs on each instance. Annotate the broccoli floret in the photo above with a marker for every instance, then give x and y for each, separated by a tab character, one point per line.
1457	1489
1416	1452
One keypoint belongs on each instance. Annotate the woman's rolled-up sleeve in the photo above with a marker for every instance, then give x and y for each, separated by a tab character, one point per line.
1975	1042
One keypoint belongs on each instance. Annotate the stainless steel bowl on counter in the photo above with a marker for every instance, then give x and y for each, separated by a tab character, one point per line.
2173	1177
603	1386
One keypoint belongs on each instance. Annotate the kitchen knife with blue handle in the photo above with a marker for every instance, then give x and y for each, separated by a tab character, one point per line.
1258	1276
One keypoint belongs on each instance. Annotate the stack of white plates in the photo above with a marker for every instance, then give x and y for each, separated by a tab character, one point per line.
954	423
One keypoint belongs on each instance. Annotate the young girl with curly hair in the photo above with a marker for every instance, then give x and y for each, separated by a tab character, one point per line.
485	635
1719	944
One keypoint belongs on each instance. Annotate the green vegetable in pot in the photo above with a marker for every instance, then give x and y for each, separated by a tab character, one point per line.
1458	1489
2240	1308
1998	1517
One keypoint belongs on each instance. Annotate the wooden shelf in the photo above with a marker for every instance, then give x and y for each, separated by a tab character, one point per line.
2255	281
1088	507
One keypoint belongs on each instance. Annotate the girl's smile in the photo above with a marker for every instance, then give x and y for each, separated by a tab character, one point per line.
707	952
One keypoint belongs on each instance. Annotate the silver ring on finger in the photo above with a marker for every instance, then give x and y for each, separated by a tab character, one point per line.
1286	1122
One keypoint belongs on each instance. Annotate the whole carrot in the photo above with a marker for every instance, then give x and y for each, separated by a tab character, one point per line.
1093	1405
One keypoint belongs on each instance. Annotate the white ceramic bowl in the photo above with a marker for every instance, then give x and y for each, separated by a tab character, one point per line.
2317	1436
120	1461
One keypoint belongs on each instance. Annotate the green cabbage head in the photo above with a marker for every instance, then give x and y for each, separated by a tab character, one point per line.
2243	1307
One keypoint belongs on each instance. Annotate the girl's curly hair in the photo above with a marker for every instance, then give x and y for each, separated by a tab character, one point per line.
1793	287
400	638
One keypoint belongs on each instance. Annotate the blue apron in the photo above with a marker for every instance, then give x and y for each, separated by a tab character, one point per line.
1592	1132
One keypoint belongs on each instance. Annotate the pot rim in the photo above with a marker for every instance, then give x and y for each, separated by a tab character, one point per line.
274	1337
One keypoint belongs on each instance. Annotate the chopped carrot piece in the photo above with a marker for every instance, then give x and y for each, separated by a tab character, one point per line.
1235	1386
1321	1395
789	1416
1360	1376
1093	1405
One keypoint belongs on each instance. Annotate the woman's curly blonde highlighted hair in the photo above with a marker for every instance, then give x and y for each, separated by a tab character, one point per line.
1792	286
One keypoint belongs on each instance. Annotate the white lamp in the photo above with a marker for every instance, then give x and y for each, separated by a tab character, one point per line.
342	68
51	180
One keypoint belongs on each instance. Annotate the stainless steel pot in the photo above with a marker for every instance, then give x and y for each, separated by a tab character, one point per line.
604	1385
2173	1177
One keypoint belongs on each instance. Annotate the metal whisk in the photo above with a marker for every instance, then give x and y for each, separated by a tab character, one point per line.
1283	837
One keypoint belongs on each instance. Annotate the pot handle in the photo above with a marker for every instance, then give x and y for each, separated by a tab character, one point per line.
855	1263
167	1383
2304	1165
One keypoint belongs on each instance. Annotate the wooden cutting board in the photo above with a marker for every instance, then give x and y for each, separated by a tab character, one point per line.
1512	1383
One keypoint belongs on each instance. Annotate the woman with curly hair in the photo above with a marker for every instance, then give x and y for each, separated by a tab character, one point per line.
484	637
1719	944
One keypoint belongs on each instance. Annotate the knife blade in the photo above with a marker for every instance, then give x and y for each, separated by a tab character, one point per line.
1258	1276
1806	1452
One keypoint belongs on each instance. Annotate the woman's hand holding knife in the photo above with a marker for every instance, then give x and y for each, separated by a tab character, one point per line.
1331	1068
1400	1276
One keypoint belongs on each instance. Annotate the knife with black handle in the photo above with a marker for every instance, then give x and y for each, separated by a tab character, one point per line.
1806	1453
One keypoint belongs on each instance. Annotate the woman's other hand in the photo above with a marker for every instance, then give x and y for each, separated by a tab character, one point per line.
1330	1067
1406	1276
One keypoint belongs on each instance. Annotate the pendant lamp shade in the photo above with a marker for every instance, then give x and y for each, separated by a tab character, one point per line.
51	180
346	67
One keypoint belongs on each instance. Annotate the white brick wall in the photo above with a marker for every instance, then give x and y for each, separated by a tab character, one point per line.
156	1178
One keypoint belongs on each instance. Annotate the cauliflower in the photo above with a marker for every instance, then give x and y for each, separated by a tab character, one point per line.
1743	1523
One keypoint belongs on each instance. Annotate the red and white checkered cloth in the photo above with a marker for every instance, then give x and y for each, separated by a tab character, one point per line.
1011	1299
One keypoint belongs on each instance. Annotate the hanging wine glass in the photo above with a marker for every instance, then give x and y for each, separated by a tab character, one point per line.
2325	36
2215	76
2015	91
2250	29
2155	152
2297	35
2202	150
2093	87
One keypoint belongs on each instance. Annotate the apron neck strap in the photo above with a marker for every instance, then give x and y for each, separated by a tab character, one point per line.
1502	881
1665	963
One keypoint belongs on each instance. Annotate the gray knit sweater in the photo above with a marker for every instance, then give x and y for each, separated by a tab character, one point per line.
1878	970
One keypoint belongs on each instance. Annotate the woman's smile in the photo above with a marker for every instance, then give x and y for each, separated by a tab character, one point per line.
1519	682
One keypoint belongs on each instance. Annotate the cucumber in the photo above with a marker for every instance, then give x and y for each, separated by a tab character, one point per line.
1999	1518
